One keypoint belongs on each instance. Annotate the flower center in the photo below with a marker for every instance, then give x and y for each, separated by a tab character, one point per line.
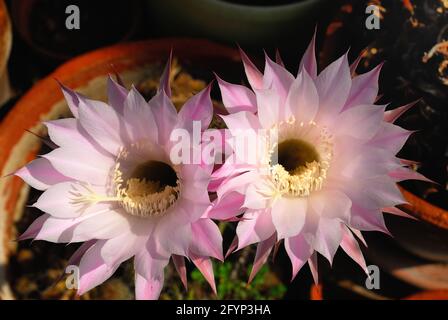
148	189
294	154
300	161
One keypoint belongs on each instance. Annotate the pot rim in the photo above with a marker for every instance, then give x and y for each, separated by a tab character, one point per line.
5	36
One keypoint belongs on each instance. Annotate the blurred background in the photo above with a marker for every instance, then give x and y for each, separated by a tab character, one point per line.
36	47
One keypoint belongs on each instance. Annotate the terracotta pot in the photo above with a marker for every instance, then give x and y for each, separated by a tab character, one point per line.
5	48
317	293
86	74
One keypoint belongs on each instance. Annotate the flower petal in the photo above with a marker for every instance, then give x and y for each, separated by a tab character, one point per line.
364	89
208	239
206	268
303	99
81	163
139	118
288	216
254	76
299	251
264	248
256	226
278	78
333	85
165	115
40	174
116	95
179	263
92	269
361	122
103	124
351	247
58	201
308	61
237	97
198	108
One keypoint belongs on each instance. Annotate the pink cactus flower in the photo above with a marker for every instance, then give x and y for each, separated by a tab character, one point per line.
110	185
336	170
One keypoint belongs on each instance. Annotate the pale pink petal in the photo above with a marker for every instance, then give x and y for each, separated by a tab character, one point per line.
228	207
397	212
358	234
288	216
103	124
122	248
351	247
254	76
58	201
237	97
331	204
102	224
268	103
81	163
165	115
165	78
278	58
299	251
206	268
308	61
92	269
328	237
149	275
361	122
355	63
401	174
264	248
116	95
139	117
364	89
237	184
40	174
171	235
67	133
392	115
278	78
71	98
390	137
365	219
303	100
207	239
34	228
255	227
312	262
198	108
254	198
243	120
233	246
76	257
179	263
333	85
383	192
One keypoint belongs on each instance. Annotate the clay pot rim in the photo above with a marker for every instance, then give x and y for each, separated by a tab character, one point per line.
424	210
5	36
